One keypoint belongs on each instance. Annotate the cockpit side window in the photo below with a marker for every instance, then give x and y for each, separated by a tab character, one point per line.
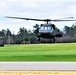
49	28
41	28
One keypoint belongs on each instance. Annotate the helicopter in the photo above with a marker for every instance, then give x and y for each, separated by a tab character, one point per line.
47	30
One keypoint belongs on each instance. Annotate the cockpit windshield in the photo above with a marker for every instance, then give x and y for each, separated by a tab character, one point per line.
49	28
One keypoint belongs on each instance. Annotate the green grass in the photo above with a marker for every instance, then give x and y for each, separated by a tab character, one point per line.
39	52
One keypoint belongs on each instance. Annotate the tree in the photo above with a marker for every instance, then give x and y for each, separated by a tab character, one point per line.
22	35
2	38
4	31
36	27
71	31
2	34
8	32
57	31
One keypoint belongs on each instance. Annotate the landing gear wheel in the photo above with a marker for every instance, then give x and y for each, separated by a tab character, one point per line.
52	40
39	39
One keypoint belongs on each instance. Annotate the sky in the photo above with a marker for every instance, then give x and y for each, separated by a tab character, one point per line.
40	9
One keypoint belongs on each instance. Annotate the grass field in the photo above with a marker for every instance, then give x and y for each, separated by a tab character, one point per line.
39	52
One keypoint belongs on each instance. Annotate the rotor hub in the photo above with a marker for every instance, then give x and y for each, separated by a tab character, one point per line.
47	20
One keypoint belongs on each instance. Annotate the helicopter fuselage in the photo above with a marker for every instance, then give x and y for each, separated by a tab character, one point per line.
46	31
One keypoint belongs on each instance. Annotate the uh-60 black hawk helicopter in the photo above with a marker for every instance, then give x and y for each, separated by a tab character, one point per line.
47	30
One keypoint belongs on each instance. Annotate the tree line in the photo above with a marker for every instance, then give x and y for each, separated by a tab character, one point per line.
71	31
24	35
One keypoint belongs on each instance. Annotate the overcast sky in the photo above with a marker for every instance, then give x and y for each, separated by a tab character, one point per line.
43	9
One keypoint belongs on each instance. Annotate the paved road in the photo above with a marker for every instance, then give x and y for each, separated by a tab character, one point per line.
37	65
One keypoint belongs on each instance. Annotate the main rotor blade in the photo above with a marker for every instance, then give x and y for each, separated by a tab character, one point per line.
62	20
46	20
25	18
